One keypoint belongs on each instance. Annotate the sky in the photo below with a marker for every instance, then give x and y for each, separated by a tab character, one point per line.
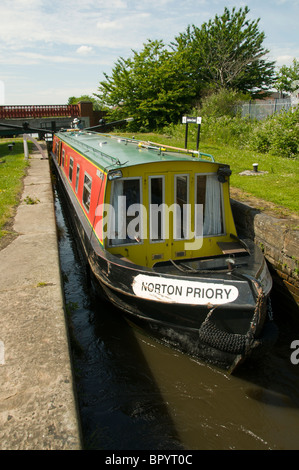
51	50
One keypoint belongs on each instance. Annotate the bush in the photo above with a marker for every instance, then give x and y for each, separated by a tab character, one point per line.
222	103
226	130
260	137
277	134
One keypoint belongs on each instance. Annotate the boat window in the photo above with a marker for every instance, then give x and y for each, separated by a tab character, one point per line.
181	221
71	169
125	218
86	191
156	200
77	177
63	156
209	195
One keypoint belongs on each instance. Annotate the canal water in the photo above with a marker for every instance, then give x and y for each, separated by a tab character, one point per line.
136	394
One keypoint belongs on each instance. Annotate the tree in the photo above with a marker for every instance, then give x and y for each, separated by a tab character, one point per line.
227	52
288	77
75	100
152	86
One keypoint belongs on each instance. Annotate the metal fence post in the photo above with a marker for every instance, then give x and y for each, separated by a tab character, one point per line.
26	152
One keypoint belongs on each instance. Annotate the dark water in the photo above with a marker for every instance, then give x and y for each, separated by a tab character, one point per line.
135	394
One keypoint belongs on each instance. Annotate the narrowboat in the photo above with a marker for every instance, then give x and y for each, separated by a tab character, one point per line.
157	229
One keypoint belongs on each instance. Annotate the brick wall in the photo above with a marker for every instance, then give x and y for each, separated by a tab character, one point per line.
279	240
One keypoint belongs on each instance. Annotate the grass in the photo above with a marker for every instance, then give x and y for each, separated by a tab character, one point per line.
12	169
280	185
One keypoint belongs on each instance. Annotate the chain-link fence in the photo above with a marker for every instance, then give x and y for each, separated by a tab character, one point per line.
261	110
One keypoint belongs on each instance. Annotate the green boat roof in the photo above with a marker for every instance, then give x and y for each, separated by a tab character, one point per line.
112	152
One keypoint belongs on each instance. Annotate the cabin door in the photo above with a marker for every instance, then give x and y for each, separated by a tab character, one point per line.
159	245
182	210
171	213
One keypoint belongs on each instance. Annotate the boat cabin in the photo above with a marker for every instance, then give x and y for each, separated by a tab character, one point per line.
145	202
156	225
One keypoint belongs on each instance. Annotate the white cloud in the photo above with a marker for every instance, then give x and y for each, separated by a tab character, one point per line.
284	60
53	95
109	25
84	50
44	41
124	23
33	57
113	24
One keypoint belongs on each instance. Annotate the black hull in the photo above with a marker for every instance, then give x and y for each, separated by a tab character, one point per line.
203	341
224	335
183	339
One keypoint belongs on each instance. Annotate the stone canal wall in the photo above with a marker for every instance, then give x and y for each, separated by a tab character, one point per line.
279	240
38	405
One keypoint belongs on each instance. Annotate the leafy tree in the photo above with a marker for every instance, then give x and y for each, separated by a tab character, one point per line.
159	84
152	86
75	100
288	78
227	52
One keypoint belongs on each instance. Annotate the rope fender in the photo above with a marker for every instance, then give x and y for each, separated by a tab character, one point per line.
237	343
227	342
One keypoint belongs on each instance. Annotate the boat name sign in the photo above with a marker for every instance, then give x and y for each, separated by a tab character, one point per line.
183	291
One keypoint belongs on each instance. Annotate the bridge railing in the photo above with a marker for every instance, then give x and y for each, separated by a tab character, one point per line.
38	111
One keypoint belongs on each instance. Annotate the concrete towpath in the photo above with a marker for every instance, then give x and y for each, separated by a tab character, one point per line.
37	399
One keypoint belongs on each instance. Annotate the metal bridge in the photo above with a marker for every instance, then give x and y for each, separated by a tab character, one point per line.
17	119
39	111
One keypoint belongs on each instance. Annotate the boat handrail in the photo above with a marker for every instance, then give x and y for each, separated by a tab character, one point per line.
183	150
141	143
157	146
91	148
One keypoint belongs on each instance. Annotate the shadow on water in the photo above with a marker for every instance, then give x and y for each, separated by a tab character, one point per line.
275	375
121	406
134	393
119	402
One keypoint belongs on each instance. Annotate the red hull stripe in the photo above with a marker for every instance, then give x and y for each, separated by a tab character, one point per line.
98	177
